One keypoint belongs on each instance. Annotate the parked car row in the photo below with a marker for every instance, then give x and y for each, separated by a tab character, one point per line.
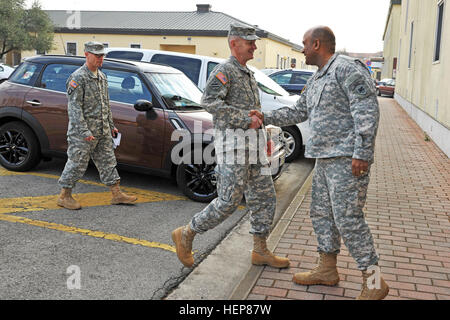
148	102
292	80
386	87
197	68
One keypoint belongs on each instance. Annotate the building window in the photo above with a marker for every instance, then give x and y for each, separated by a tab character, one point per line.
406	16
71	48
135	46
437	44
394	68
105	45
411	45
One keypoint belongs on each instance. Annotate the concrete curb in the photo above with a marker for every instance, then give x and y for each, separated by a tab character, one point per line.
226	273
246	284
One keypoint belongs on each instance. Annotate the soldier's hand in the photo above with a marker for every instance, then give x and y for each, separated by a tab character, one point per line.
359	167
114	132
257	113
90	138
256	122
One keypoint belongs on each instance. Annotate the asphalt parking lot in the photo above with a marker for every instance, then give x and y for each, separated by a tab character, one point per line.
117	252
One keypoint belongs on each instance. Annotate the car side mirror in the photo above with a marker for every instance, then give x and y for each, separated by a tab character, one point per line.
143	105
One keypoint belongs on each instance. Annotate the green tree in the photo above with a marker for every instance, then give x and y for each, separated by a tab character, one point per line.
24	29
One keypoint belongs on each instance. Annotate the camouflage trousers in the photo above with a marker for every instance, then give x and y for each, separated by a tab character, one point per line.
233	182
338	199
79	152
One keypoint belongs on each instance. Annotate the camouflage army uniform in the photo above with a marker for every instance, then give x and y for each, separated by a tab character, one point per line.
89	115
230	93
342	108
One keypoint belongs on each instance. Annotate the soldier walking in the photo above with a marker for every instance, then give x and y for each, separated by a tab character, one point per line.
231	92
90	130
341	105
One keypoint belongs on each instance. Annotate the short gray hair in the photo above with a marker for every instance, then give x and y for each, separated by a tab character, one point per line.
230	38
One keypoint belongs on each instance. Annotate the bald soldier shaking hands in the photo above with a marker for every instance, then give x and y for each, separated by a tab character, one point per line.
341	105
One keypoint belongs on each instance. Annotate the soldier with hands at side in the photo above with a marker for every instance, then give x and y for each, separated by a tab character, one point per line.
90	130
340	103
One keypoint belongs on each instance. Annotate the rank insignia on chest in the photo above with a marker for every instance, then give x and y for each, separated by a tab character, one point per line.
222	78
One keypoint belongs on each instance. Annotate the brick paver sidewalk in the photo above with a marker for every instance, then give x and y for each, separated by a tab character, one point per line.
407	210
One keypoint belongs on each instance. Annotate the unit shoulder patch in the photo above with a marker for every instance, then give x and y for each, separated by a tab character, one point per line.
361	90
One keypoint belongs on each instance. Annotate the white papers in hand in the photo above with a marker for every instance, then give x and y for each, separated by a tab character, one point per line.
117	140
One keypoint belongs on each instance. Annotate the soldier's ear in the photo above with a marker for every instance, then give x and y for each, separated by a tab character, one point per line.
316	44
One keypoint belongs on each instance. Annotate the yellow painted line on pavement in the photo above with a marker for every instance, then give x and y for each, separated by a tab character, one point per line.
92	199
86	232
4	172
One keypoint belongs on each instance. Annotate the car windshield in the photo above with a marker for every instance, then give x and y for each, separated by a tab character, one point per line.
268	85
177	90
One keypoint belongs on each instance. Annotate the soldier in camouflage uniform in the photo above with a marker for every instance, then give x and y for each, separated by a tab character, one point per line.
342	108
90	130
231	92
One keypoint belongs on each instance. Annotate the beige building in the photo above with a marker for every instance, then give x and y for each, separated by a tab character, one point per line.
422	33
391	38
202	32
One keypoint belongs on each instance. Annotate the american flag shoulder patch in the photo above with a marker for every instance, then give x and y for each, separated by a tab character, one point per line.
73	84
222	78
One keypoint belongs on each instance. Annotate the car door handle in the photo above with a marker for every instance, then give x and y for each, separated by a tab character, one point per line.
34	103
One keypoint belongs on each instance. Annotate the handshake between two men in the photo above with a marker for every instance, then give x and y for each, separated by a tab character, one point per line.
359	167
257	119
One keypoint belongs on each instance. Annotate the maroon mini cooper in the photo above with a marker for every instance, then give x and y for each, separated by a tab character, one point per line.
148	101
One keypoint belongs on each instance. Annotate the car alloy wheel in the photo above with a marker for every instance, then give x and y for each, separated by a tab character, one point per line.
18	147
197	181
292	143
13	147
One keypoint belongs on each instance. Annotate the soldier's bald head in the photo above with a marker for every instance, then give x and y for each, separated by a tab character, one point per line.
325	35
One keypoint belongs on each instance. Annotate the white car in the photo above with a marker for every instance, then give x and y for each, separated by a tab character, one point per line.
197	68
5	72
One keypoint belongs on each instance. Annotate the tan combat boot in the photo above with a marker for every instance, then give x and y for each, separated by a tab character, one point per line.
325	273
119	197
66	200
262	256
372	294
183	237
